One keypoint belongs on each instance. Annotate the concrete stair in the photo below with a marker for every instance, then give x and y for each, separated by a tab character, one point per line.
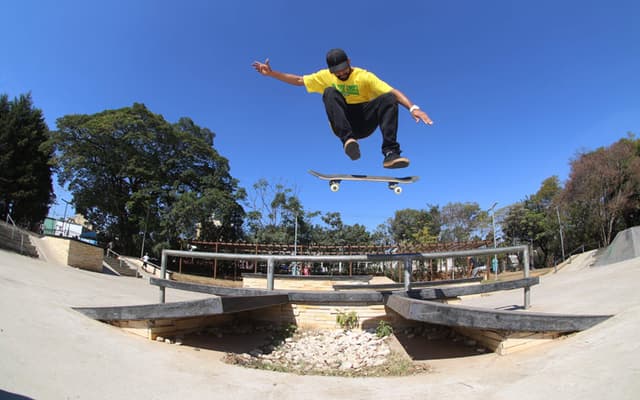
16	240
120	267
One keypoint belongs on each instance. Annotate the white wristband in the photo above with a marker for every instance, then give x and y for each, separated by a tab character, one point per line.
413	108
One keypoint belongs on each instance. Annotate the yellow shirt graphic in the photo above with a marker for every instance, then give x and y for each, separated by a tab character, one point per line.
362	85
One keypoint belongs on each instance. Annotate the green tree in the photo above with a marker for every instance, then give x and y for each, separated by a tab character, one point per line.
411	226
382	235
602	191
460	221
534	221
26	187
130	171
274	211
336	233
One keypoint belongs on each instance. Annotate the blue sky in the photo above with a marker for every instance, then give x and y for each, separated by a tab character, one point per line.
515	88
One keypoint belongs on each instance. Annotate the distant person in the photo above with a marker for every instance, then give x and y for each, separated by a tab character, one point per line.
145	259
356	102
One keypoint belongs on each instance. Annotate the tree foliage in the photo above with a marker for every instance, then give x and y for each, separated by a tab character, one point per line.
602	192
600	198
26	187
461	220
533	221
336	233
411	226
274	213
130	172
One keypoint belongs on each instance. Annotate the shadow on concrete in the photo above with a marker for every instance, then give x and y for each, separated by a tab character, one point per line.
4	395
228	343
422	349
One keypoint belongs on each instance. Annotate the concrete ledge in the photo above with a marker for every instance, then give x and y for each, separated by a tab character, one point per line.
473	317
183	309
456	291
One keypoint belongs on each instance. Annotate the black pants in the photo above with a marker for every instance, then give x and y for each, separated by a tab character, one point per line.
358	121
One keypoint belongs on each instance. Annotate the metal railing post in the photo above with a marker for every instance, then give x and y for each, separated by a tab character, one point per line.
163	273
527	289
407	273
270	276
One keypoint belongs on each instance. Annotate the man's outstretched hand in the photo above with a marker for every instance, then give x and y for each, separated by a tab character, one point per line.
263	68
420	115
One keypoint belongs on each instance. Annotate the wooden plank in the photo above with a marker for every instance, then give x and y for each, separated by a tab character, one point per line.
473	317
456	291
508	348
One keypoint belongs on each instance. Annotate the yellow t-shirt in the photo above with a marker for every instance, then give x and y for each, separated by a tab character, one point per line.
362	85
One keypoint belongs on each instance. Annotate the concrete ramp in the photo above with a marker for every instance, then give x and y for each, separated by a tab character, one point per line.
577	262
625	246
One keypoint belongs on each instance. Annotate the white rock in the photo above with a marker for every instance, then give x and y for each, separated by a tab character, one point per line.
346	365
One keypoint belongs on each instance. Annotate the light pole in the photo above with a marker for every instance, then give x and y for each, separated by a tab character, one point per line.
494	262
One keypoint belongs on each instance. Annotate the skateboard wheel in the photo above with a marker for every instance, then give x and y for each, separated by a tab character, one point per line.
396	189
334	186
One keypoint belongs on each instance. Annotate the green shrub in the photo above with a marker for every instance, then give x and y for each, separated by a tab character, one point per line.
347	320
384	329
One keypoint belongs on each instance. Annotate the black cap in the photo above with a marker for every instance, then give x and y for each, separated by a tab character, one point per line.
337	59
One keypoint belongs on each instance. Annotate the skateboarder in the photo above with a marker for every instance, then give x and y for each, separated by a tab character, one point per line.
356	102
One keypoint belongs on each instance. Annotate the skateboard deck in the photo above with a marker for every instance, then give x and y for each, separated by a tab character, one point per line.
392	182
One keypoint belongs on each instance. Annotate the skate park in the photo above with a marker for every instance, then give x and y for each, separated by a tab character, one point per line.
55	351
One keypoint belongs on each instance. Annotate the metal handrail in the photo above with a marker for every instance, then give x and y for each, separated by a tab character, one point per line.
153	266
574	251
12	223
407	258
13	231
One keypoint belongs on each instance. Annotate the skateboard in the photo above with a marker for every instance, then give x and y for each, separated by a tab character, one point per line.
392	182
